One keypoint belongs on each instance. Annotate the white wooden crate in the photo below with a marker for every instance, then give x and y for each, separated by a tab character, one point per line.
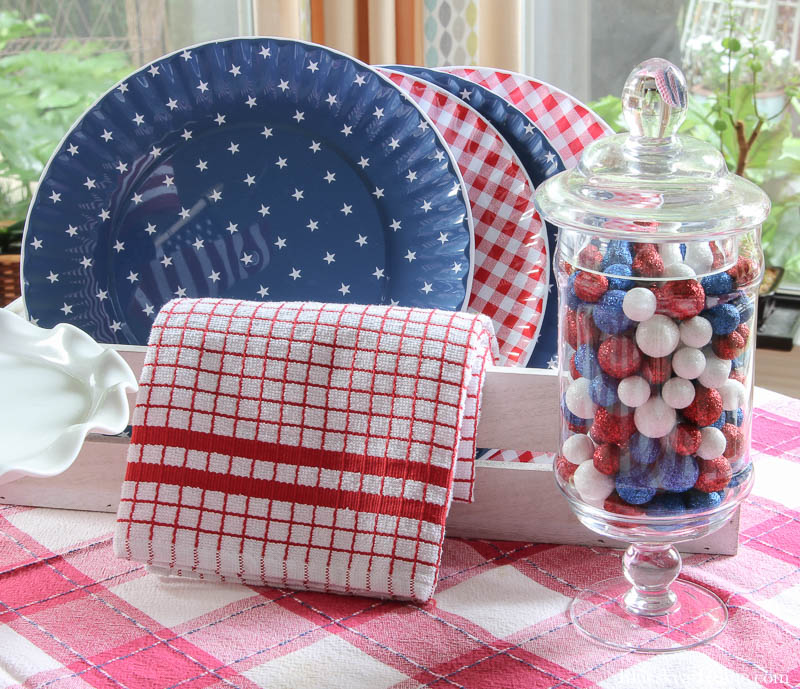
513	501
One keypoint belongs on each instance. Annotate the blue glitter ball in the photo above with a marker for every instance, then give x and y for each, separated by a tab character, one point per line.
717	284
699	501
635	487
678	472
586	361
683	251
735	417
644	450
617	251
620	283
573	301
724	318
745	307
608	313
604	390
720	422
666	504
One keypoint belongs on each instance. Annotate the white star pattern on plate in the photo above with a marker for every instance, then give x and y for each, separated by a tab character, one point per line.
378	272
361	240
314	147
280	243
106	135
71	230
281	162
150	229
250	102
184	213
202	86
53	277
298	116
148	309
378	113
186	55
214	276
422	125
119	246
172	104
102	294
246	258
298	194
235	70
72	149
529	128
312	225
233	148
344	289
347	130
198	243
266	133
219	119
122	88
465	93
104	214
121	167
360	80
426	206
395	224
180	292
86	262
89	183
442	237
263	291
378	193
215	195
186	135
313	66
202	165
232	227
166	261
295	274
329	258
550	157
155	151
363	162
411	256
456	267
427	288
138	119
136	198
264	52
132	277
249	180
284	85
411	176
264	210
393	144
115	326
169	181
331	99
329	176
55	197
67	309
153	70
439	155
37	243
347	209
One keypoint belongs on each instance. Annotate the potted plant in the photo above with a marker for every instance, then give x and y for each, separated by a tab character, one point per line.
741	100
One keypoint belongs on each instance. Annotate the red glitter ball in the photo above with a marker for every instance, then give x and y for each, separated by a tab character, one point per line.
715	474
565	468
683	298
616	504
734	441
737	374
648	263
744	272
744	331
656	370
581	328
685	438
719	257
619	356
606	459
705	408
590	286
578	427
568	268
573	369
590	257
728	346
661	301
612	428
644	246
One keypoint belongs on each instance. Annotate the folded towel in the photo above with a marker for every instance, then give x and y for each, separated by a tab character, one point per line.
303	445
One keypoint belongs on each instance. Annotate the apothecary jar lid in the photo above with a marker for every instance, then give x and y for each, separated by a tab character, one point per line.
651	183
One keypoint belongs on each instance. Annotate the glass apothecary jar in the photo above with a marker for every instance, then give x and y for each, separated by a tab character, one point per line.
658	265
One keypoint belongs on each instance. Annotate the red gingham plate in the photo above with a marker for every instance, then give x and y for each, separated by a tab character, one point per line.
566	122
511	267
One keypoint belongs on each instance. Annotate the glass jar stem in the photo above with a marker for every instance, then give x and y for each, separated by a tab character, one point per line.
650	568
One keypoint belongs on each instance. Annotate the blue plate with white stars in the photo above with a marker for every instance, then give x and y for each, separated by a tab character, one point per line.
540	160
255	168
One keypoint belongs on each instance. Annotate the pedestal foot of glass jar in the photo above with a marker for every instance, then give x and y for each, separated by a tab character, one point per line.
693	617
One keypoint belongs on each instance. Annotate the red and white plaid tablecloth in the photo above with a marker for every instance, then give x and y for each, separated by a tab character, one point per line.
72	615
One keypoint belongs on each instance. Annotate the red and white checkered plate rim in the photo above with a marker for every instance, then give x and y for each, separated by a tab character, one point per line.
566	122
511	262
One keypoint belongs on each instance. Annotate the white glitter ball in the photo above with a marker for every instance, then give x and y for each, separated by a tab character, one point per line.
713	443
679	270
678	393
578	448
716	371
639	304
655	418
733	394
591	485
688	362
699	257
578	399
696	332
670	253
658	336
633	391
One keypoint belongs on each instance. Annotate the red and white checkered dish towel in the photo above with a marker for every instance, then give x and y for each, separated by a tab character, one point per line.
304	445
